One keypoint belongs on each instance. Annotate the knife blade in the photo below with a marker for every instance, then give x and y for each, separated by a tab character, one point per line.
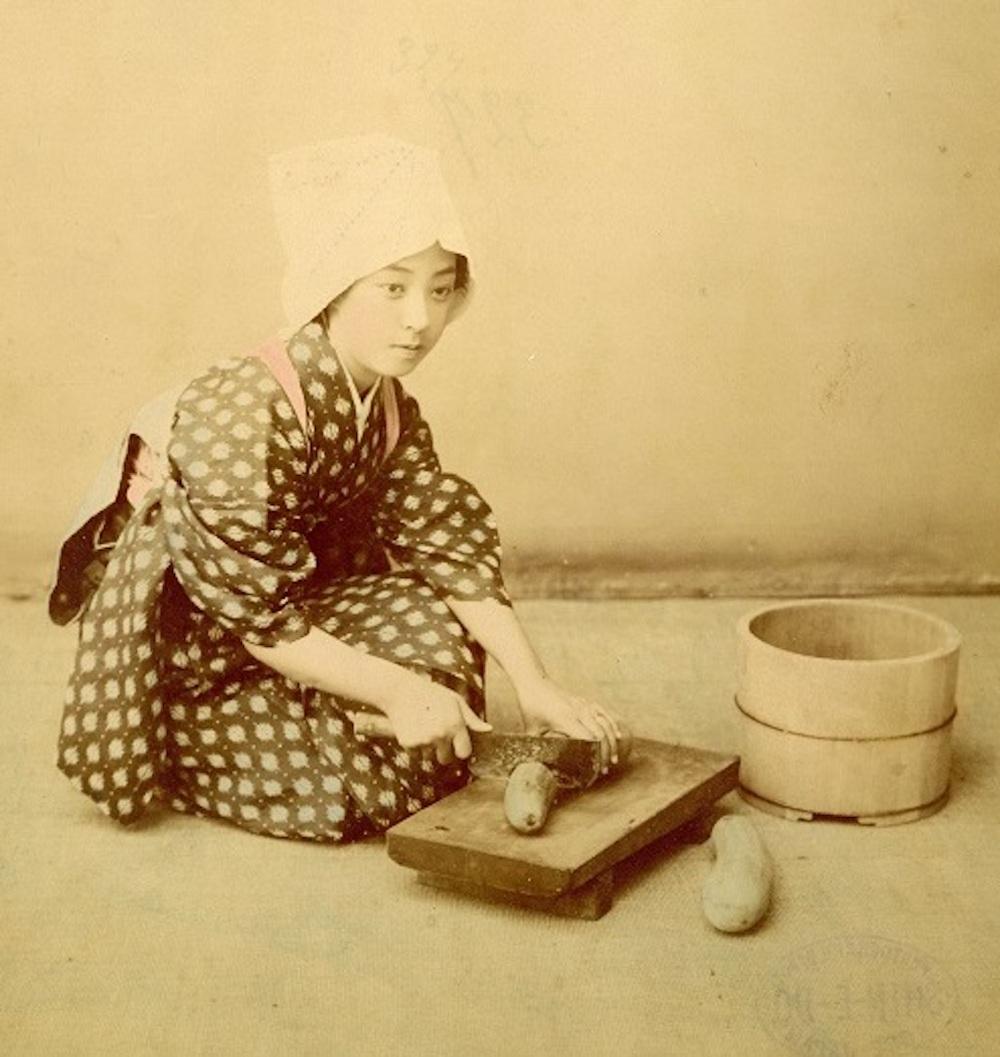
575	762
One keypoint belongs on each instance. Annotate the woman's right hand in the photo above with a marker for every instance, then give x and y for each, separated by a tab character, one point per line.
432	718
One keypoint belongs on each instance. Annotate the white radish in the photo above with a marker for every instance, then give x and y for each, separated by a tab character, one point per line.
737	891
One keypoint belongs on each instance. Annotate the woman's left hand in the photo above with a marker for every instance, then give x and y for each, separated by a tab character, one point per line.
548	707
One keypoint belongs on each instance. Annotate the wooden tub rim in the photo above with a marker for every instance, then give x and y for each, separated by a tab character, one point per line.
952	643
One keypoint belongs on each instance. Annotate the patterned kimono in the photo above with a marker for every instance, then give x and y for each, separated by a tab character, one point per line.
260	531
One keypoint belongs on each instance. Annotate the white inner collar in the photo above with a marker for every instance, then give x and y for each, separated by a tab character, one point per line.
362	405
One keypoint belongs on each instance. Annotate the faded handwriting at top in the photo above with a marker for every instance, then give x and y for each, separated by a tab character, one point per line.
480	118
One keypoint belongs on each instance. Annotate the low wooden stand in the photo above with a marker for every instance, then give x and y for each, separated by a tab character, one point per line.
464	844
592	900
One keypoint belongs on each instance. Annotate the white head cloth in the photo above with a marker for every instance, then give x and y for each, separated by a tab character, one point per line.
348	207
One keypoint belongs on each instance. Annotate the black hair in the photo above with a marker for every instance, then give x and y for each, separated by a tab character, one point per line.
461	272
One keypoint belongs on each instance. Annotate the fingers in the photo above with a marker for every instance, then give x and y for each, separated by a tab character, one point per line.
586	726
443	734
471	720
462	744
444	749
597	733
616	724
603	727
610	731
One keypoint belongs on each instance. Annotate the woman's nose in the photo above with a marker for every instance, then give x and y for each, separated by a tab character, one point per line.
415	311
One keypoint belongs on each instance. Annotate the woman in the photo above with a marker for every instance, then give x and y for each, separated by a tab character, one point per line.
299	555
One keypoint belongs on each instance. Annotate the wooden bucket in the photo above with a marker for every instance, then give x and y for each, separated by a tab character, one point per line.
846	709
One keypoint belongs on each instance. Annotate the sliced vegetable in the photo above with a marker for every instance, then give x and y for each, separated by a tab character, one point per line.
528	798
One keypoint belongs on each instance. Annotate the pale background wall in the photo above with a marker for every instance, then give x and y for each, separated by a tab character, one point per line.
739	263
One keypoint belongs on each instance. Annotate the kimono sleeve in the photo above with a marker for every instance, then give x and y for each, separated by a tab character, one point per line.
232	503
436	522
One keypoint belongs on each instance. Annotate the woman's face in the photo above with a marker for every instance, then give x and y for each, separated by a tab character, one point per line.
387	322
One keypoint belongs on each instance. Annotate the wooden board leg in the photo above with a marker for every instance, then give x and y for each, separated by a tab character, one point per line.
587	903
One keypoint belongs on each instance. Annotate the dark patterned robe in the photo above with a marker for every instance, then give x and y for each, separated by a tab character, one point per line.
261	530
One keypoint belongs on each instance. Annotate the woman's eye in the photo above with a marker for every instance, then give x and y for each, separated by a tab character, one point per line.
394	289
442	293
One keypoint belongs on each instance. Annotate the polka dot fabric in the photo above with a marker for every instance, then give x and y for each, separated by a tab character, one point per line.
112	744
262	530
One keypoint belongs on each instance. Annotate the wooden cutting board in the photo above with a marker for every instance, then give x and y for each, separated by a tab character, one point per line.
466	838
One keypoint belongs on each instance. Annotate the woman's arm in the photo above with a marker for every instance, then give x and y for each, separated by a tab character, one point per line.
544	704
421	712
438	524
